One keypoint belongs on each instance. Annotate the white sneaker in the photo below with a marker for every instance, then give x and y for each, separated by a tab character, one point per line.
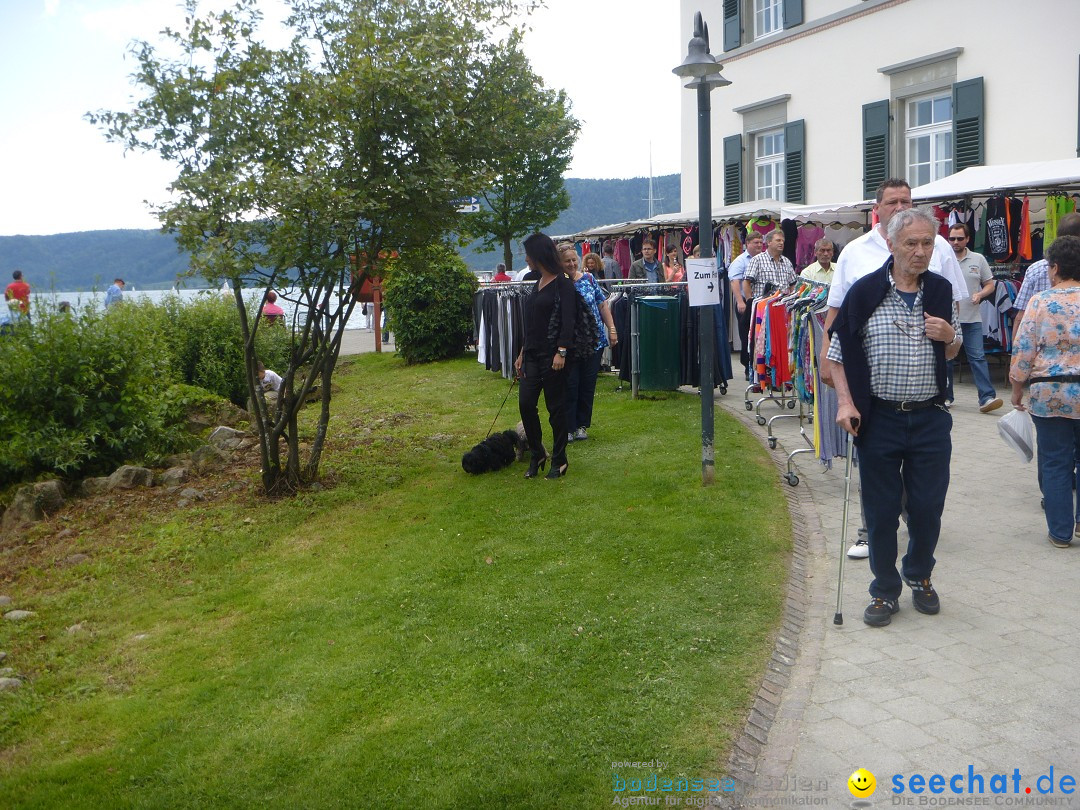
860	550
569	438
580	435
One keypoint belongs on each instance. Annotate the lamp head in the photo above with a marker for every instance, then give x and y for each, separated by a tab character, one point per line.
699	60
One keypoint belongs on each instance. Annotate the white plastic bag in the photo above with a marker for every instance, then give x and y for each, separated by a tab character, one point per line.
1016	429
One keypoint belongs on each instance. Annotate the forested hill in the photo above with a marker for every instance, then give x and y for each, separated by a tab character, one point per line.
149	258
92	259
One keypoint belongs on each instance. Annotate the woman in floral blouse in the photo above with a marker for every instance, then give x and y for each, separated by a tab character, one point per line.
1046	356
581	383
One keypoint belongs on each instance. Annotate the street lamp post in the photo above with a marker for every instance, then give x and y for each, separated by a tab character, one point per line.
704	73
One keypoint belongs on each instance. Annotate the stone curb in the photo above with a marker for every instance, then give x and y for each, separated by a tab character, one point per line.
777	707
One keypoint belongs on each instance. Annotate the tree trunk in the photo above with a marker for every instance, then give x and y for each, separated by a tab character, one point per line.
508	255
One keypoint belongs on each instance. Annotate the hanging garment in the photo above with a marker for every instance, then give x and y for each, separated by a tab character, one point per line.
997	229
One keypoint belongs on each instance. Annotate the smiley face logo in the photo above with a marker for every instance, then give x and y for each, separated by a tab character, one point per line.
862	784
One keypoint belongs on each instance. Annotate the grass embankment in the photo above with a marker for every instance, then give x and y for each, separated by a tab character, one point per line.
411	635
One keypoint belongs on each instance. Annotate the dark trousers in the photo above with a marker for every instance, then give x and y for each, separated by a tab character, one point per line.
744	330
1059	447
580	390
904	453
536	376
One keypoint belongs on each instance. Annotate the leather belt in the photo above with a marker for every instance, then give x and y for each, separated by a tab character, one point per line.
1057	378
909	404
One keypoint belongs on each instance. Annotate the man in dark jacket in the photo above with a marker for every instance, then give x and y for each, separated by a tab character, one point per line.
893	335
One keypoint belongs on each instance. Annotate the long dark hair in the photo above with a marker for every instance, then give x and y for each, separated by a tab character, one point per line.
541	250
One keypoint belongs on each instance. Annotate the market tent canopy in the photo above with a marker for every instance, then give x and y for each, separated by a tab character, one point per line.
853	213
682	219
986	180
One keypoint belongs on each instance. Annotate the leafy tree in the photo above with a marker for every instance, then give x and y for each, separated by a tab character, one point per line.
530	135
357	136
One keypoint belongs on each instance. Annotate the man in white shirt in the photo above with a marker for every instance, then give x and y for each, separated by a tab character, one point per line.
867	253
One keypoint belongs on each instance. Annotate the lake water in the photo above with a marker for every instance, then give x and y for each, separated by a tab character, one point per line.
80	299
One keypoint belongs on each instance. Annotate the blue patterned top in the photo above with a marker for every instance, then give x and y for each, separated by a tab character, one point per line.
1048	345
594	296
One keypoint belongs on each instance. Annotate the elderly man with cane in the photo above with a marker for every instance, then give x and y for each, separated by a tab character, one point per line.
894	333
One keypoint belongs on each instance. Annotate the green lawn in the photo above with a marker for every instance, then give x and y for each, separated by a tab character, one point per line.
410	635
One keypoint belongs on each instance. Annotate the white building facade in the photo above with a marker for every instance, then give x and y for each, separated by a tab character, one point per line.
829	97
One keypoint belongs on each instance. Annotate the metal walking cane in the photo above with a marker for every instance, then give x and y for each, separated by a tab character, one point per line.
839	617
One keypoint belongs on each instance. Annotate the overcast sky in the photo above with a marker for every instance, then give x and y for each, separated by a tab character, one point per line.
62	58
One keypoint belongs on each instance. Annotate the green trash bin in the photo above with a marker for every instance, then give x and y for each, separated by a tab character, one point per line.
658	345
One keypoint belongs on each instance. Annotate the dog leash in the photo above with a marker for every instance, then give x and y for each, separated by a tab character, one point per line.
497	415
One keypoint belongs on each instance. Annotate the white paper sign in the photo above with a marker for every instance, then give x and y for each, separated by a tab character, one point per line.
703	282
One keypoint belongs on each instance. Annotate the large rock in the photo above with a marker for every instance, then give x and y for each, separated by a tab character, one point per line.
207	458
129	477
33	502
7	684
174	476
18	615
93	486
226	438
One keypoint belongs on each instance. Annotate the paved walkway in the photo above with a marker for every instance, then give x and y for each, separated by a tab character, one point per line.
358	341
991	682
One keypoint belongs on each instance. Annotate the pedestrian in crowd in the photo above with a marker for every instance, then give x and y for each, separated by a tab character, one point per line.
581	374
612	271
980	285
893	335
271	311
17	297
500	273
592	265
770	270
647	268
673	269
744	304
548	323
1037	276
865	255
821	271
115	294
1046	356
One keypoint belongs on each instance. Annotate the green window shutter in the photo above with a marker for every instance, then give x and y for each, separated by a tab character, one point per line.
732	24
733	170
793	13
967	99
875	122
794	157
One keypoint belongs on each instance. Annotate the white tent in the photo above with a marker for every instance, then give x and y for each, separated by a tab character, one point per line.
975	181
853	213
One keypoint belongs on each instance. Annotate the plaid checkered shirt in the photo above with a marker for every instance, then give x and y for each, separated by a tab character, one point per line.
762	270
898	352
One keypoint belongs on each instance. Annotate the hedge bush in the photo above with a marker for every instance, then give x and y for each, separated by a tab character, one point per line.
84	392
81	393
429	293
206	347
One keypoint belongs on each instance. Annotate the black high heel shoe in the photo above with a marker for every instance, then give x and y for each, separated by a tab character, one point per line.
558	472
536	466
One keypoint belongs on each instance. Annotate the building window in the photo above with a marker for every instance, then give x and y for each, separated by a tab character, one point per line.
768	17
929	138
769	165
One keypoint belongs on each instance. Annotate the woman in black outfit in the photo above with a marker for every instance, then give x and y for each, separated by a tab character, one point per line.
549	335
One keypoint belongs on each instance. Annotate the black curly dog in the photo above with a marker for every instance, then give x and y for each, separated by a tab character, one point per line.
493	453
